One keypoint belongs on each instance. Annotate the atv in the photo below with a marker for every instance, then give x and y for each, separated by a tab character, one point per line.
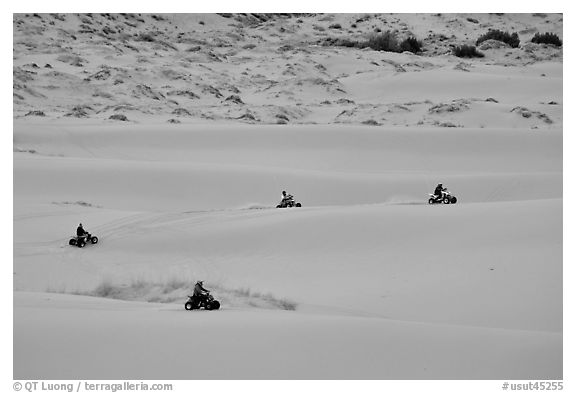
446	198
205	301
81	241
288	201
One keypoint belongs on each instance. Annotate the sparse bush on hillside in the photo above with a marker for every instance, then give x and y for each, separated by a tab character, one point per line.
118	117
145	37
35	113
466	51
59	17
335	26
546	38
498	35
411	44
363	19
385	42
371	122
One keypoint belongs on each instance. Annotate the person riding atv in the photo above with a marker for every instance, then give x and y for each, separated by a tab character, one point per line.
438	191
199	292
288	201
82	237
80	231
286	197
201	298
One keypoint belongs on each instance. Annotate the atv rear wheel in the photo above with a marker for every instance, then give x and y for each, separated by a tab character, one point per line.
94	240
80	244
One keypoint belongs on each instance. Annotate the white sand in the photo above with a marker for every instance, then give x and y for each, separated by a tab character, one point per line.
385	286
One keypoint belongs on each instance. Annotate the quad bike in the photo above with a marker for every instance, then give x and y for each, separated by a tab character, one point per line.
446	198
288	201
81	241
205	301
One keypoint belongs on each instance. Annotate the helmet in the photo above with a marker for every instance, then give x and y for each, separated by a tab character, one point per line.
440	184
199	282
283	192
80	224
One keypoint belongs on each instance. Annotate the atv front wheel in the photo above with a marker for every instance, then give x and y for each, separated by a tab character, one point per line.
94	240
446	200
72	242
431	201
298	204
189	306
215	305
80	244
453	200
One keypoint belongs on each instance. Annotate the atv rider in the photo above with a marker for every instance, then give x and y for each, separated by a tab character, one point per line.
286	198
438	191
80	232
199	292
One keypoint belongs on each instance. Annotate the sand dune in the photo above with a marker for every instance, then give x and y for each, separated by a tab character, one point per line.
182	204
170	137
278	63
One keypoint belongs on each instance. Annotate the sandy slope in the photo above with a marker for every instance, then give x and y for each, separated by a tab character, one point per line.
366	257
118	340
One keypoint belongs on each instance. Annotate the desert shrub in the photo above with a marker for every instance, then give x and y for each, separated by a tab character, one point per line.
335	26
411	44
371	122
342	42
35	113
107	290
386	42
146	37
118	117
498	35
546	38
466	51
